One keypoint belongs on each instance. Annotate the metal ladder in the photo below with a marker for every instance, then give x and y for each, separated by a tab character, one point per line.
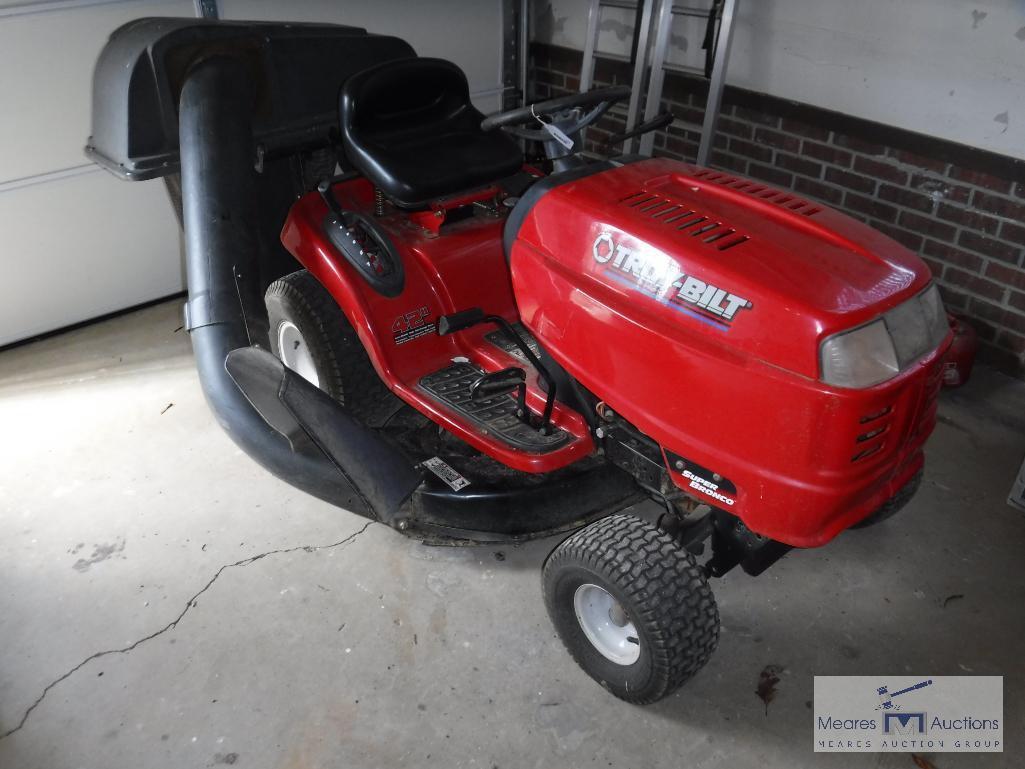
640	55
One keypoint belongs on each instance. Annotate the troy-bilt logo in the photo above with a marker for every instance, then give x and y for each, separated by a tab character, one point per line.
661	278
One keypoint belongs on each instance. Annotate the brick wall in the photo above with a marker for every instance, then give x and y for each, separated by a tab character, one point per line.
961	209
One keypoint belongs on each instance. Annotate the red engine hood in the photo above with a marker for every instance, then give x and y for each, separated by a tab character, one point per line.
765	272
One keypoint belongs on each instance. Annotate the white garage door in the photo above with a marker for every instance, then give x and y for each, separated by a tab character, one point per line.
78	243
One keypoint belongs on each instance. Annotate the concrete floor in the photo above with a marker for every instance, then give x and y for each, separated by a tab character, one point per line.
166	603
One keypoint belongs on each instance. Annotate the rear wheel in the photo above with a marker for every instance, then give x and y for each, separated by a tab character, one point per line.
632	607
310	334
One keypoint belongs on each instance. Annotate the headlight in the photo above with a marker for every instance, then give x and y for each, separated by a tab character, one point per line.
859	358
882	349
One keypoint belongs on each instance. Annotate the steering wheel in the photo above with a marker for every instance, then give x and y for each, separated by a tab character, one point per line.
600	99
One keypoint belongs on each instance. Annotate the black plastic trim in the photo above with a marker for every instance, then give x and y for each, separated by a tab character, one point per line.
538	190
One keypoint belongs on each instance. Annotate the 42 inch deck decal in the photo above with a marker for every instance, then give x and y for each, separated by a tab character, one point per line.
660	278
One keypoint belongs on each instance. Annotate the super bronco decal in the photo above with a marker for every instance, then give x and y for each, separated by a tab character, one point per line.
660	278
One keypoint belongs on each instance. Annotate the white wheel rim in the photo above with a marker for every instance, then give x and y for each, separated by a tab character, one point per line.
606	624
295	353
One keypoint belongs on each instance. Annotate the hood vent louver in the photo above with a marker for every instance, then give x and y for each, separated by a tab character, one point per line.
686	220
761	191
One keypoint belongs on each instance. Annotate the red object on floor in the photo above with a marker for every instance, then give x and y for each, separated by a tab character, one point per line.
957	367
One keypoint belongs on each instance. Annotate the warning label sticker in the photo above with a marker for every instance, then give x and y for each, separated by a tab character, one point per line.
446	472
412	325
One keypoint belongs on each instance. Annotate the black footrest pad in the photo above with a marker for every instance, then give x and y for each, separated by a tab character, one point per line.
497	415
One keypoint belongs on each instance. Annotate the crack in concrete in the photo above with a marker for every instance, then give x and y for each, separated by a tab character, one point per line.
191	603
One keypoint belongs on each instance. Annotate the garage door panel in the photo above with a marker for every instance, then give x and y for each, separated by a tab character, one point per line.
46	90
82	246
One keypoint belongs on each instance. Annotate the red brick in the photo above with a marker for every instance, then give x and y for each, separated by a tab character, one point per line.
798	165
906	239
857	144
681	147
870	206
547	77
936	268
1013	232
905	197
967	217
998	316
989	247
610	71
563	59
850	180
771	175
953	298
953	255
734	128
980	179
986	330
751	150
1011	209
974	283
931	186
776	139
815	189
754	116
880	170
1017	300
804	129
919	161
927	226
1009	276
730	162
826	153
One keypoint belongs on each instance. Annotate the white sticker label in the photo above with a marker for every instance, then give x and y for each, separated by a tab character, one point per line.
901	713
446	472
559	136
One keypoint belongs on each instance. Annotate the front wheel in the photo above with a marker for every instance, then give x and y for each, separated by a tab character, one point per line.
632	607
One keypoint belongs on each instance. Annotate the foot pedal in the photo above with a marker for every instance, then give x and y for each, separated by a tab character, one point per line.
500	338
497	415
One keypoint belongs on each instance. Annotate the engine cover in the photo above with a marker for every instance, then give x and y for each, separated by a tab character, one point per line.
694	304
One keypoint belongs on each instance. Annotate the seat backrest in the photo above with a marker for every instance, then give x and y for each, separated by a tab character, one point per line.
403	94
408	125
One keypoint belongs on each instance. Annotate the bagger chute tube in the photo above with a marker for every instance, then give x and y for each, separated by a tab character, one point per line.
680	370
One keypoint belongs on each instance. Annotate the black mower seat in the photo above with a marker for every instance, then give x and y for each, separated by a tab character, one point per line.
410	128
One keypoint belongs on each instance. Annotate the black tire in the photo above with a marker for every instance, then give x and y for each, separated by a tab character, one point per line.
661	588
342	364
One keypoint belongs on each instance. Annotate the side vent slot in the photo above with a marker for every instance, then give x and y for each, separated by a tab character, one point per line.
677	217
664	211
719	235
769	195
632	197
692	223
732	241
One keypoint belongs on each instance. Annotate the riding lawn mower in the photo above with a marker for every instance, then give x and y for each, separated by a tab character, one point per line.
679	370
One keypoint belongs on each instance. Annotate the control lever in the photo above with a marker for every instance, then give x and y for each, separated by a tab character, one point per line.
464	319
501	383
659	121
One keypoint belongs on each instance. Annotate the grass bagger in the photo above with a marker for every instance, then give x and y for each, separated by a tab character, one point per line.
680	370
